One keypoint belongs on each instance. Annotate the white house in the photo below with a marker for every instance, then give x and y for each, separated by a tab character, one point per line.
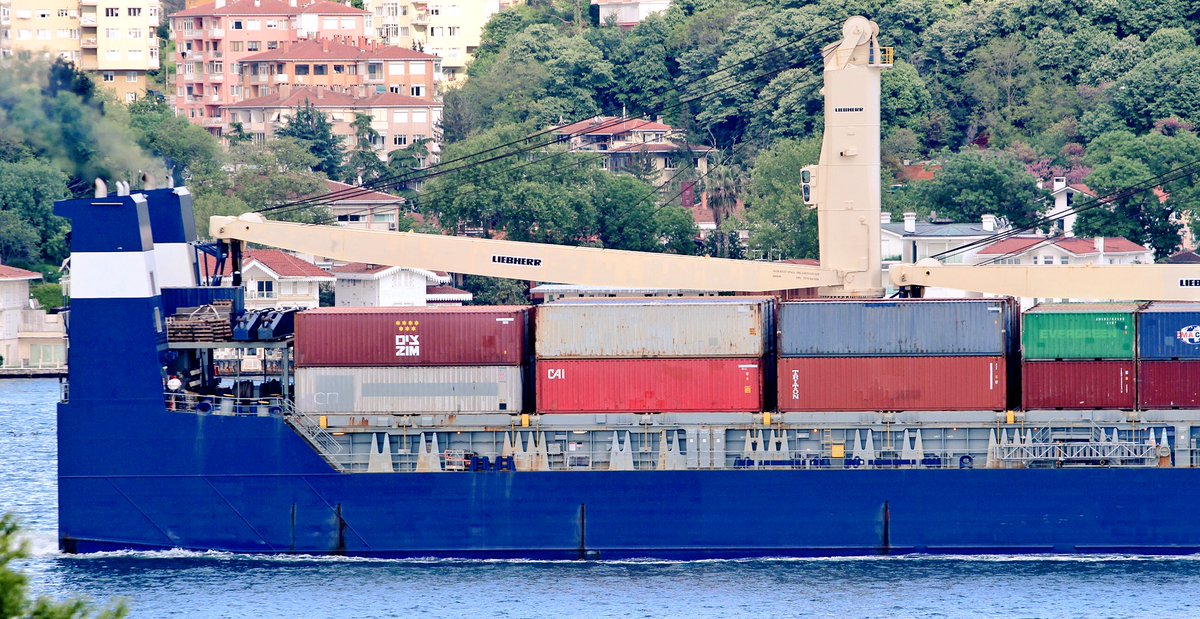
1066	195
373	285
29	337
274	278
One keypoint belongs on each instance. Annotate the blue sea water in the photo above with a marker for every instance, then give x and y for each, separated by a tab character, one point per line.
187	584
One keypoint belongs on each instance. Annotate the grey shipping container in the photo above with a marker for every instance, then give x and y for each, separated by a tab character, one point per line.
875	328
402	390
654	328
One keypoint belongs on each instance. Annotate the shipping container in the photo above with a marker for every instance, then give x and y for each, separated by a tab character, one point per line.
412	336
1169	331
892	384
908	327
1168	384
404	390
1077	385
1078	331
654	328
649	385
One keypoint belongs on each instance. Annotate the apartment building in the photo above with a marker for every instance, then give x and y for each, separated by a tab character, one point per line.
341	64
626	141
627	13
115	41
212	39
399	119
450	29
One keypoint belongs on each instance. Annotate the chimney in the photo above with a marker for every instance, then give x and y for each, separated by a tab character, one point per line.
885	217
989	223
1100	250
325	45
320	92
292	3
361	89
257	3
219	5
910	222
1059	182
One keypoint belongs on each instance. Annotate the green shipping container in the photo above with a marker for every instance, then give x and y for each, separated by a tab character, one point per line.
1078	331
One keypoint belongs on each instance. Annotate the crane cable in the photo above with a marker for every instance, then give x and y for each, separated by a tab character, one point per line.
424	173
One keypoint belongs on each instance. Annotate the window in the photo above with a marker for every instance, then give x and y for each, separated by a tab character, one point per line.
135	54
339	69
301	69
669	163
416	68
111	12
43	35
420	117
112	33
112	54
395	90
417	91
135	33
24	35
399	140
347	23
253	24
265	289
237	24
395	68
435	31
272	24
109	76
131	77
235	46
329	23
399	117
403	31
130	97
272	44
135	11
62	33
62	12
320	69
1063	260
452	30
43	14
252	46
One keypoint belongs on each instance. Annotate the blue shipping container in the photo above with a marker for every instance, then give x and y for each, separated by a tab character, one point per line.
1168	331
875	328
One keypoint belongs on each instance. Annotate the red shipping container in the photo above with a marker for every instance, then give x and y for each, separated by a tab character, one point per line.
1168	384
892	384
1077	385
649	385
413	336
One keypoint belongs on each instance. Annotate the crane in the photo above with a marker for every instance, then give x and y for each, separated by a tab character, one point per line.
843	187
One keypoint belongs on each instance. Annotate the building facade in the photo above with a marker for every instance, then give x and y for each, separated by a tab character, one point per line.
341	64
29	337
450	29
627	13
212	39
114	41
373	285
400	120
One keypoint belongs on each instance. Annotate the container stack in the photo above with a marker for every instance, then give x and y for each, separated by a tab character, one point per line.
1078	356
1168	365
895	355
411	360
701	355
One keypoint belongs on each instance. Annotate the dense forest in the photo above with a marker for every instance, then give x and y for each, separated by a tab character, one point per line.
996	93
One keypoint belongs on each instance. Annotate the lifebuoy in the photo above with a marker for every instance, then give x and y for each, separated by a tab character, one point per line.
966	462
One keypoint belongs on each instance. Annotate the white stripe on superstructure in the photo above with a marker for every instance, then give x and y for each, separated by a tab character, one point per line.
113	275
176	266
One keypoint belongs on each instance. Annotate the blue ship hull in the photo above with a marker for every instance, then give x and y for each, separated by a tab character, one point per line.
251	485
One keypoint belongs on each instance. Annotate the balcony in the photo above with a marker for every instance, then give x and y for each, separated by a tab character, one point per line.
420	19
216	33
87	2
214	122
214	98
88	21
193	56
216	77
280	78
88	43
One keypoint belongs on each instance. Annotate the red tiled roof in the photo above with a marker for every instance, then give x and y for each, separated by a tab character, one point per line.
359	194
660	147
611	125
361	267
8	273
324	7
322	97
918	172
1074	245
269	7
330	49
284	264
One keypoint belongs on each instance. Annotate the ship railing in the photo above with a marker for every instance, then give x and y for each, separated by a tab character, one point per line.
227	406
1097	453
310	428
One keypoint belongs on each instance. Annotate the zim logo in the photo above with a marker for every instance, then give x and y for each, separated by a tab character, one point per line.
1189	335
408	343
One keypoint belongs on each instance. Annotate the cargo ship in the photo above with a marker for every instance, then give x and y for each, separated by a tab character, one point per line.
682	428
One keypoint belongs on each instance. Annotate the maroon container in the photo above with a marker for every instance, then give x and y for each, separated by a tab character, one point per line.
1168	384
892	384
414	336
1077	384
649	385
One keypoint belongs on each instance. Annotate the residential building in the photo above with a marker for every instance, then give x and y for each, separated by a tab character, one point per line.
114	41
400	120
450	29
341	64
29	337
274	278
373	285
1066	195
366	209
627	13
212	39
912	240
1033	250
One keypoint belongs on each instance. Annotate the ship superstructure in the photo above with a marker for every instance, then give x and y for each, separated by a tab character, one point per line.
722	426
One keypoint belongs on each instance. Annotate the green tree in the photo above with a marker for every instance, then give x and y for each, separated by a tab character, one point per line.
496	291
974	183
781	225
1141	218
28	190
364	164
271	173
14	593
187	149
630	217
312	128
18	240
47	295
